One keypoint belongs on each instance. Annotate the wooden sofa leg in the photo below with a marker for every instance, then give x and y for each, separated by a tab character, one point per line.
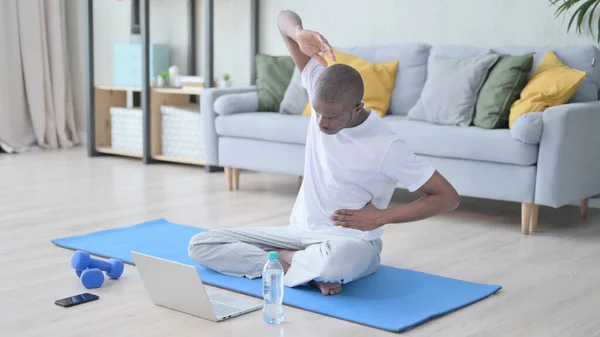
583	207
533	221
236	178
529	217
525	216
229	177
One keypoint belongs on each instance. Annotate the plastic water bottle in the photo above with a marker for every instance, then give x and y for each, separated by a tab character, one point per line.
272	278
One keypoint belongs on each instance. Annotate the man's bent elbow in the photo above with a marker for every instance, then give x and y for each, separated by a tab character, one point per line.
447	198
452	200
451	197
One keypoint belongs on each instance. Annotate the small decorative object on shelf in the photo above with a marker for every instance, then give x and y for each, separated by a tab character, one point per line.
191	82
161	80
173	76
225	81
127	63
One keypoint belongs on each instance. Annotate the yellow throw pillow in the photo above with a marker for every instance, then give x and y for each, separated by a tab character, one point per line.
378	78
551	84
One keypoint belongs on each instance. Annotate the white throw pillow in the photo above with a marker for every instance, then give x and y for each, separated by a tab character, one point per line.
295	96
450	92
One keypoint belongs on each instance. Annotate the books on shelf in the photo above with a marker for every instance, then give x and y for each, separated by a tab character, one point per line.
191	82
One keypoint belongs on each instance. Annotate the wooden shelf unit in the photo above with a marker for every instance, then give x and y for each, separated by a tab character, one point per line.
101	98
180	160
107	97
168	96
109	150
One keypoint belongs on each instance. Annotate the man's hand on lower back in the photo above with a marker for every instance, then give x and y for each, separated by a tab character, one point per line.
364	219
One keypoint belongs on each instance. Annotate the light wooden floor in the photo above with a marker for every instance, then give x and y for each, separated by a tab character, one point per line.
551	279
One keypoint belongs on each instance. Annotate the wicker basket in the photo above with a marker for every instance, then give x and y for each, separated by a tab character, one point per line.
126	129
182	135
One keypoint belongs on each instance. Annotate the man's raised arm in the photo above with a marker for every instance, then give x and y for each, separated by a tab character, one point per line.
301	43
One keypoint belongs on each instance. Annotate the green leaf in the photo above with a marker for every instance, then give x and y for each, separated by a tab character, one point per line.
581	9
598	35
591	16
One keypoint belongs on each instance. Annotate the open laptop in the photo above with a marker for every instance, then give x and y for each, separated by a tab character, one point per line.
178	287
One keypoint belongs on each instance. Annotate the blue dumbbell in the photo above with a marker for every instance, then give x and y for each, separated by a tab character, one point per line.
92	278
82	261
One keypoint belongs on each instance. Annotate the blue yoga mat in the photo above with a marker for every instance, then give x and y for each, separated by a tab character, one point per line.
391	299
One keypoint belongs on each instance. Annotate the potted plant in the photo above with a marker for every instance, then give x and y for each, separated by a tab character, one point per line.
225	81
581	10
162	78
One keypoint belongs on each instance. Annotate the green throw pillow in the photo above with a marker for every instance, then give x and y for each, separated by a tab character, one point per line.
273	75
501	89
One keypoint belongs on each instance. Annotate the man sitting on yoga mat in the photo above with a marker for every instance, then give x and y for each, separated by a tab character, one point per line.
353	163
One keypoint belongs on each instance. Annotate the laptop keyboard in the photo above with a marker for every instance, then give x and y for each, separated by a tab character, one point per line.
224	309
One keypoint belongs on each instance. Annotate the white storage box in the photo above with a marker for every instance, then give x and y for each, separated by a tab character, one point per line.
126	129
182	134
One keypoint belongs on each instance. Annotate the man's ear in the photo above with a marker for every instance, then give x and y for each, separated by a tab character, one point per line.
359	106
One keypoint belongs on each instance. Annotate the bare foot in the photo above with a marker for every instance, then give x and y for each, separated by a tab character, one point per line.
285	258
328	288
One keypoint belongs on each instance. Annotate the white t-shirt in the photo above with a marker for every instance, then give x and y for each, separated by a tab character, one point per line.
347	170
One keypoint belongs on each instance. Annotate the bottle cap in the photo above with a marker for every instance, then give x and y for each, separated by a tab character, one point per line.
273	255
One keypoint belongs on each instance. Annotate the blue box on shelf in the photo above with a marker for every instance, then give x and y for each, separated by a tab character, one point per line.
128	63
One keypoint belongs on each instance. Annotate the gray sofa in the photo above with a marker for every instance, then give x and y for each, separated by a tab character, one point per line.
554	162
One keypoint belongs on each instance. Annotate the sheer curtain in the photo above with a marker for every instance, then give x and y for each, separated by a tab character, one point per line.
36	99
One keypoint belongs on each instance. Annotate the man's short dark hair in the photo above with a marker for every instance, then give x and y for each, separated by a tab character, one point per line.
340	83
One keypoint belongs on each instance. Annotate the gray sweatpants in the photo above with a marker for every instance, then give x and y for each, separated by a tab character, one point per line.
320	257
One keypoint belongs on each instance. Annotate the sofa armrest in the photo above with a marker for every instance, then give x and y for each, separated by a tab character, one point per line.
569	154
238	102
207	103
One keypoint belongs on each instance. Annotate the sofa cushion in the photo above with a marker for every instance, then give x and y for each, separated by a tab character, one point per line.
578	57
267	126
295	96
411	74
378	80
410	77
552	84
273	75
470	143
501	89
450	93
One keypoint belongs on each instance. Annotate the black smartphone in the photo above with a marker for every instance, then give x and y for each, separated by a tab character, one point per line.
76	300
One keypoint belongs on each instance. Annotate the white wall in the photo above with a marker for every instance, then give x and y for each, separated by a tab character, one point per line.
112	21
232	40
478	22
350	22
